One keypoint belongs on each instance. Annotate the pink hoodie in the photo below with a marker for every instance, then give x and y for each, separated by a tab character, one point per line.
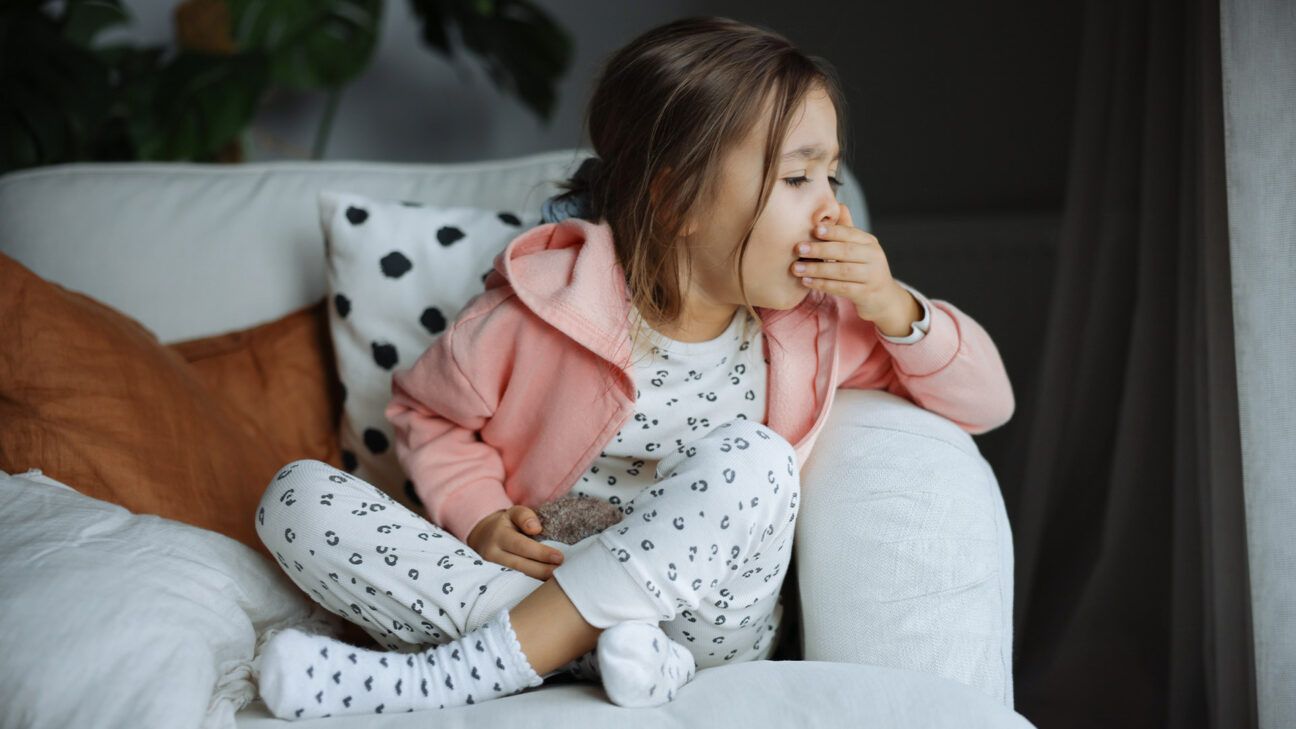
511	403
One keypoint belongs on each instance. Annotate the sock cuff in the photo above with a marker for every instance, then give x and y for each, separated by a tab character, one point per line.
503	635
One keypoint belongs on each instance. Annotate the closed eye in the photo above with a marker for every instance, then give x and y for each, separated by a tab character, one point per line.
799	181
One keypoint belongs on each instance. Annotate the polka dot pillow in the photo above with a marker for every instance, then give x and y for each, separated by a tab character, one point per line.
398	273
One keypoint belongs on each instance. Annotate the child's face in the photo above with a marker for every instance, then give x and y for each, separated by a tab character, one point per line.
793	210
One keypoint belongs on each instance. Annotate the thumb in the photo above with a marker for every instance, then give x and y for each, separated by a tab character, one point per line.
526	519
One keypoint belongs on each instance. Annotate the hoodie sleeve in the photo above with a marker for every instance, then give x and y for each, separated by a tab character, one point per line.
954	369
437	414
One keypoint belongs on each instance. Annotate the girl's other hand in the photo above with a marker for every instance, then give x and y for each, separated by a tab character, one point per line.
855	266
502	537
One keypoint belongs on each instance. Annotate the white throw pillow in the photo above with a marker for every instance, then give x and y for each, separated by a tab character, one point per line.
124	620
398	274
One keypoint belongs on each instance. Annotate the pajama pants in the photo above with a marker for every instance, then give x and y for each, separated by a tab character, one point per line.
702	552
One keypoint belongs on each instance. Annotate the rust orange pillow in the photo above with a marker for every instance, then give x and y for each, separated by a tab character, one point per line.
283	375
89	396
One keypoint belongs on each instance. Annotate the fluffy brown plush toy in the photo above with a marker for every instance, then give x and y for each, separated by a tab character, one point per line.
572	517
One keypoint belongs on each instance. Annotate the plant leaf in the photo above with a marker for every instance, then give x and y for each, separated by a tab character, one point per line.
197	104
312	44
54	94
84	19
523	49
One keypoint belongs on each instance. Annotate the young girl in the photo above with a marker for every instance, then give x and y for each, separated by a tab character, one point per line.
674	352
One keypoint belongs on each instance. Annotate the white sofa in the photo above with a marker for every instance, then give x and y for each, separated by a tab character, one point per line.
903	561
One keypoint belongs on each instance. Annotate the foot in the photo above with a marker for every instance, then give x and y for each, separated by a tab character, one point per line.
641	666
305	676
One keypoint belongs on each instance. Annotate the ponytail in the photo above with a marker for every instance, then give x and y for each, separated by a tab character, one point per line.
578	200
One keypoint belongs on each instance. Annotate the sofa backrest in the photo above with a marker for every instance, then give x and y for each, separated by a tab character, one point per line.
193	250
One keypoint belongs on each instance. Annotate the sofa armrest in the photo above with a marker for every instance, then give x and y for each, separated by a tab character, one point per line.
903	549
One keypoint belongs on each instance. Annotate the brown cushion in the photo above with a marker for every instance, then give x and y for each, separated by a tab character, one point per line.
89	396
281	373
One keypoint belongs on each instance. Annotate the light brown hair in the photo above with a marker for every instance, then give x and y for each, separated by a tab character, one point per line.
665	109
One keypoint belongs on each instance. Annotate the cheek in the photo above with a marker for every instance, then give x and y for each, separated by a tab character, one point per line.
770	268
762	260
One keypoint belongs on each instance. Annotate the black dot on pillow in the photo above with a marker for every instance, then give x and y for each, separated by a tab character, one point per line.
433	320
349	462
510	218
395	264
411	204
384	355
449	234
375	441
356	215
342	304
411	493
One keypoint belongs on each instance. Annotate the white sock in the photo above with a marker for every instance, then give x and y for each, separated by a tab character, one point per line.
584	667
640	665
305	676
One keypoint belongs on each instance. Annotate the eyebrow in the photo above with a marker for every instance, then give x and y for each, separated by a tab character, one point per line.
810	153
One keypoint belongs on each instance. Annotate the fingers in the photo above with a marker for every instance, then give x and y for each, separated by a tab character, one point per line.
539	570
833	271
511	544
533	569
524	546
850	244
528	523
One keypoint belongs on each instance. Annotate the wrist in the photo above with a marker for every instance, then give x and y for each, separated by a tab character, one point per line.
899	322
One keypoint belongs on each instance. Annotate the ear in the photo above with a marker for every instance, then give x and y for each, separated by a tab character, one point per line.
690	227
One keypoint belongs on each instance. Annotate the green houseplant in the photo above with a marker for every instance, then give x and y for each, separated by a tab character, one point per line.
63	98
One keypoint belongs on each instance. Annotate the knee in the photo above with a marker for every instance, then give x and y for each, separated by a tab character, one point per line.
768	443
756	444
289	490
290	481
748	455
772	459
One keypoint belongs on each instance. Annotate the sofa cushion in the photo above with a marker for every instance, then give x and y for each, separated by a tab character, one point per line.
91	398
283	374
118	620
398	273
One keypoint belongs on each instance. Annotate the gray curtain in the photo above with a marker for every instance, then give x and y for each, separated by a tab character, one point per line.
1133	598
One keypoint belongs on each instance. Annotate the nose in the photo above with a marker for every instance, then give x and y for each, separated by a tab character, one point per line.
827	212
